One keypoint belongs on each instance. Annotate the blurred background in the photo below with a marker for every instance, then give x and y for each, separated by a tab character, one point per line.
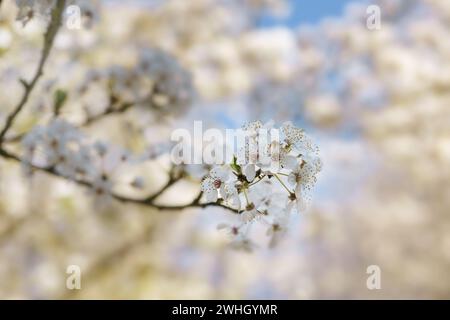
377	102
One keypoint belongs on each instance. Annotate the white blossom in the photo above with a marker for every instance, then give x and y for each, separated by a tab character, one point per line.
231	194
29	9
215	183
258	190
239	236
61	147
277	228
156	80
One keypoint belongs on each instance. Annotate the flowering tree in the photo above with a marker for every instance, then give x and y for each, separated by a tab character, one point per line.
60	148
86	170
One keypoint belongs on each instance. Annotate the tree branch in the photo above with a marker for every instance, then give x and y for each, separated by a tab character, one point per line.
149	201
110	110
49	37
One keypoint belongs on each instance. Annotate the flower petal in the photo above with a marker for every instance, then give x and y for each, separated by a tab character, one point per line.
300	201
250	172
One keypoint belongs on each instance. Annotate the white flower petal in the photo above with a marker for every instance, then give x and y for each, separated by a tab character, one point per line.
211	196
222	226
250	172
289	162
300	201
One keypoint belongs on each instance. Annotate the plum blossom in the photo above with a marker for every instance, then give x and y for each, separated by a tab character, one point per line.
254	191
171	83
215	183
61	147
231	194
262	192
156	80
29	9
239	236
277	228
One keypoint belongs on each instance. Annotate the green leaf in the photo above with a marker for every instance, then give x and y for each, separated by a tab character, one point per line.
237	168
59	98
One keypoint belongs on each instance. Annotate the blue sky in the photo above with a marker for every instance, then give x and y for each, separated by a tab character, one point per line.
308	11
302	11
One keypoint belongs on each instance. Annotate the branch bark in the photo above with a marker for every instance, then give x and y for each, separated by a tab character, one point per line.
49	37
149	201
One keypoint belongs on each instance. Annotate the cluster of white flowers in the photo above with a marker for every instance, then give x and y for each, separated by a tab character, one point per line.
32	8
28	9
157	80
61	147
171	84
262	192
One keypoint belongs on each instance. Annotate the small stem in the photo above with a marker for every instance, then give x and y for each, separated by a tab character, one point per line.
282	183
283	174
246	197
108	111
255	182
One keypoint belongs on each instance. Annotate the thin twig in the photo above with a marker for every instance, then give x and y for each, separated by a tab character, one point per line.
49	38
282	183
110	110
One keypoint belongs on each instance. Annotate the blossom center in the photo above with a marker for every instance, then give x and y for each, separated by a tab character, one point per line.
217	184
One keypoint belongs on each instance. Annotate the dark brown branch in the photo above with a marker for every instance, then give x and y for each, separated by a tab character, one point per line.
108	111
49	38
149	201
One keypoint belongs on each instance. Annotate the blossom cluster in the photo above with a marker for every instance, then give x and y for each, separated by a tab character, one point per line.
157	80
260	192
61	147
32	8
29	9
